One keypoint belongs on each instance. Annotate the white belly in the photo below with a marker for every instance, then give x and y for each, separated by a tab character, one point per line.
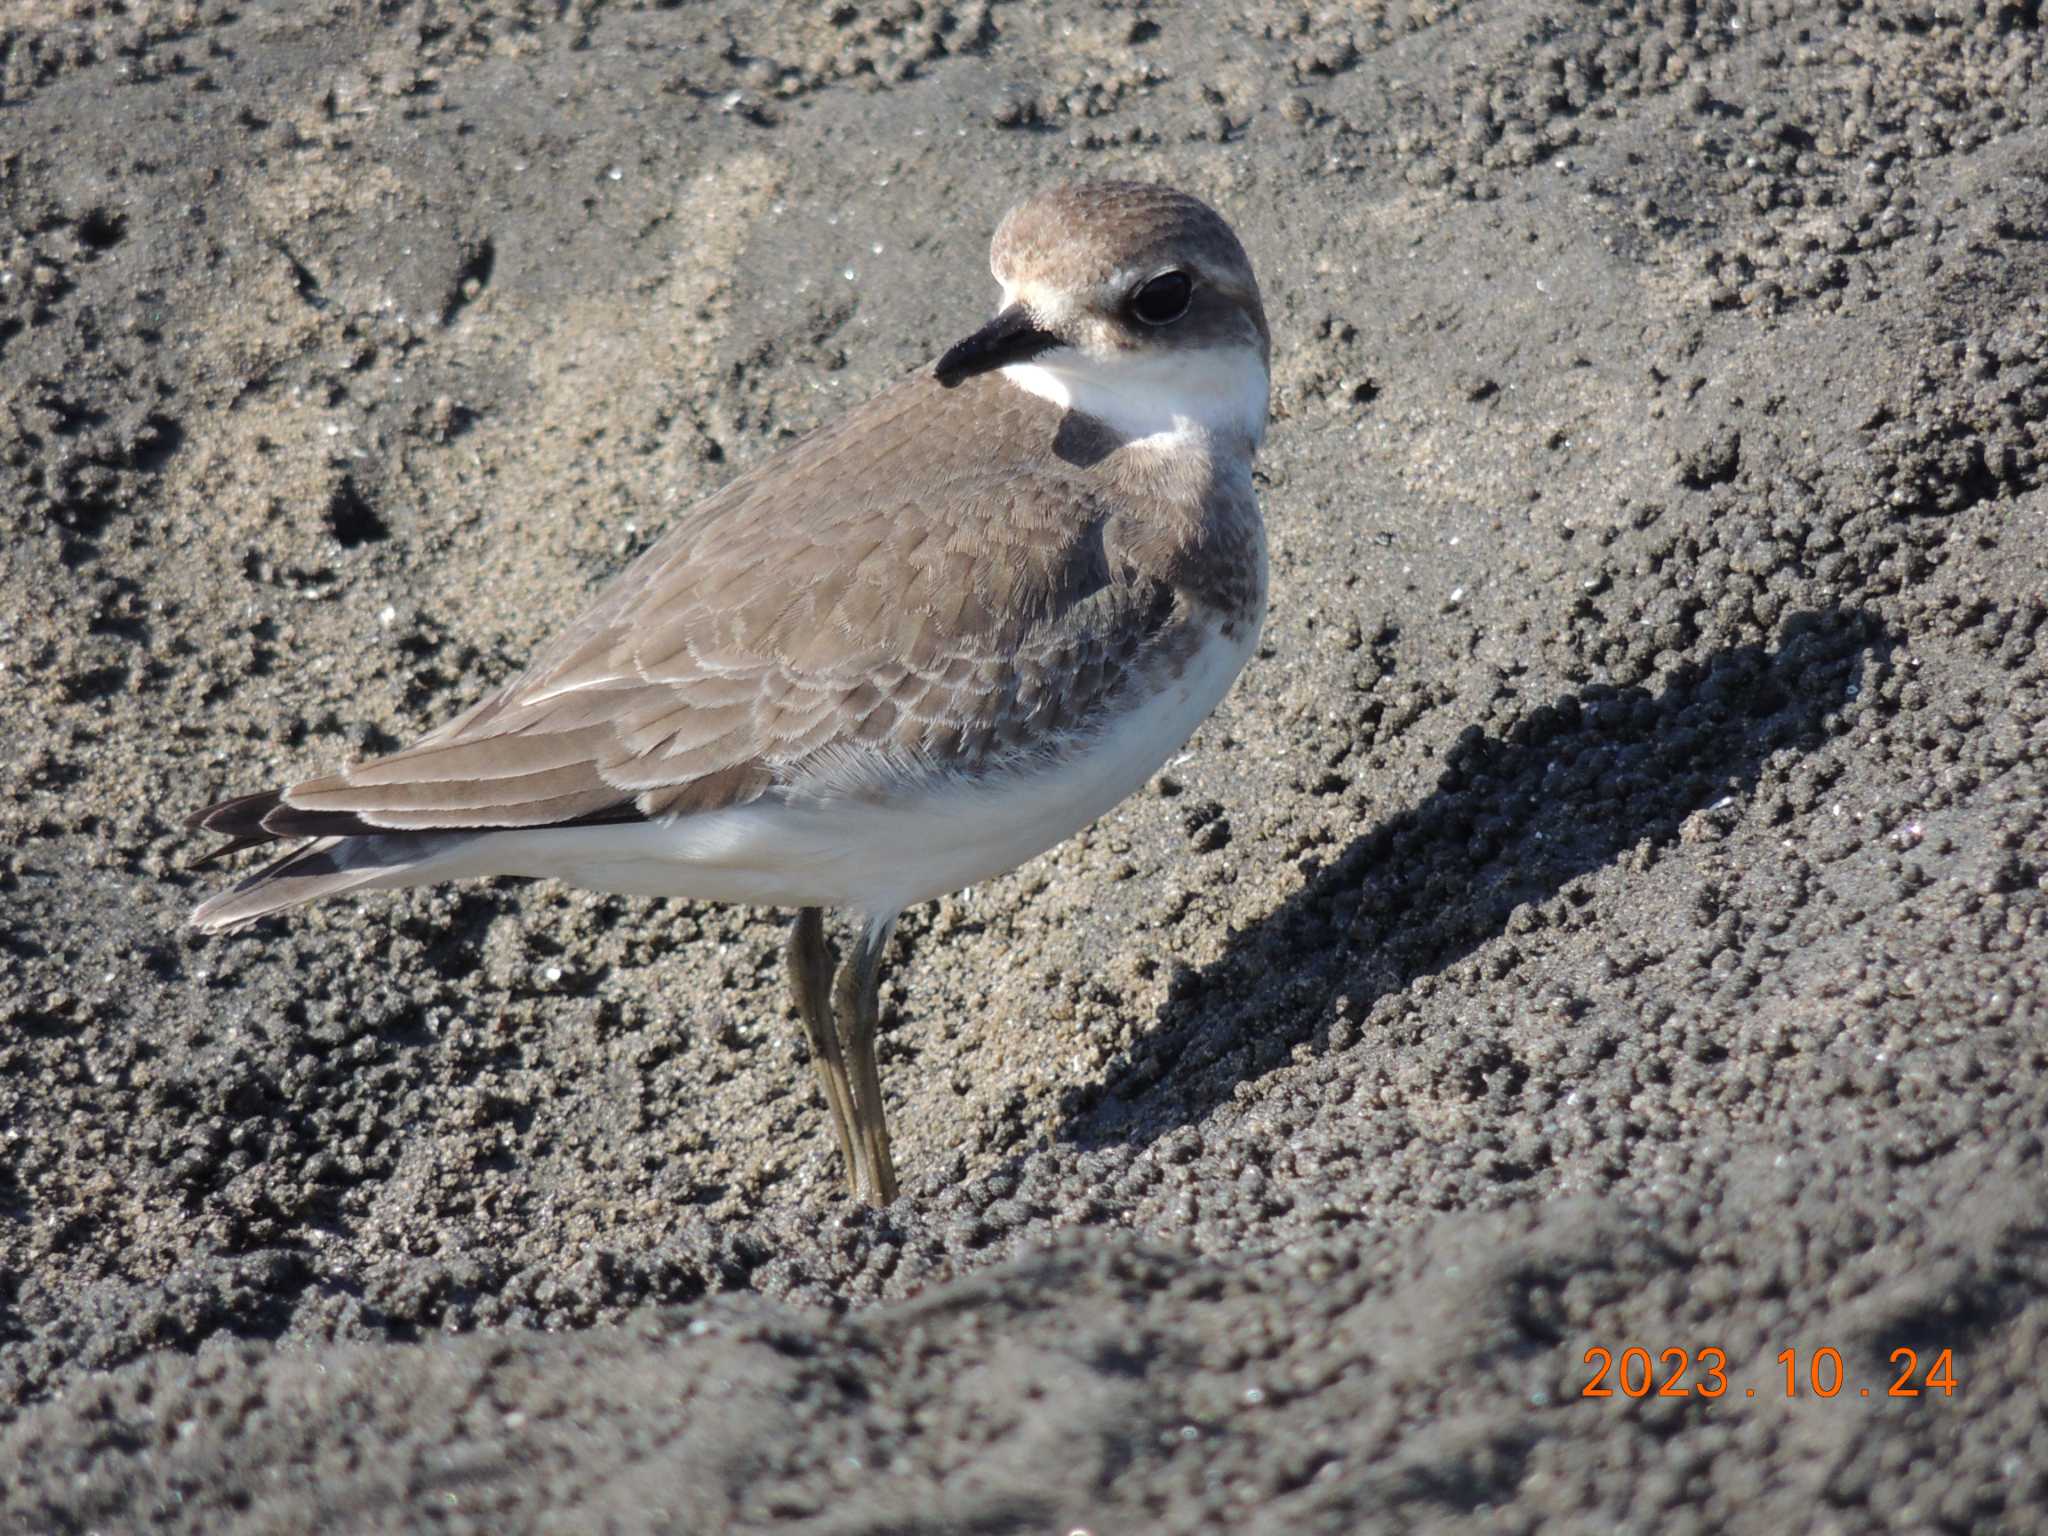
877	857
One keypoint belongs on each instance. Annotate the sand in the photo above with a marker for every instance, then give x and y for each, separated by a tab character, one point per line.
1611	912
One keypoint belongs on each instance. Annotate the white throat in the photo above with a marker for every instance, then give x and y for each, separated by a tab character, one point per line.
1157	399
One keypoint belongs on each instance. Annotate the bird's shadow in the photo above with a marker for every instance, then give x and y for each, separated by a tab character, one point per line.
1517	816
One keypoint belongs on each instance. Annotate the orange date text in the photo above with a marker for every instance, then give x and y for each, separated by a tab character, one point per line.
1679	1372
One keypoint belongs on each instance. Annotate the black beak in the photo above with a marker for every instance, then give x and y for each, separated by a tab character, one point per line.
1012	337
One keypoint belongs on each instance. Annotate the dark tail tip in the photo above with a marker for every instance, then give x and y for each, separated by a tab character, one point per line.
240	820
240	817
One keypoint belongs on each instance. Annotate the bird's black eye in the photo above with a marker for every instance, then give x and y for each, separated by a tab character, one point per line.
1163	299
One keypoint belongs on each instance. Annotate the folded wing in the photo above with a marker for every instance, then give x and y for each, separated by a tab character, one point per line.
888	598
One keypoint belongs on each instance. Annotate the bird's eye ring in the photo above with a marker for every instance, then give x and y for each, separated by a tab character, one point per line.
1163	299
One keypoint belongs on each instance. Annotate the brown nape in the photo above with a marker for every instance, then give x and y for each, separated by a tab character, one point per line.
250	821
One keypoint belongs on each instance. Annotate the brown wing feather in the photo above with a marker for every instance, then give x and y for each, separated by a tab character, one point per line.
923	614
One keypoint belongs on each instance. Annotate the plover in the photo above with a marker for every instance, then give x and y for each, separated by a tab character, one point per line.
925	643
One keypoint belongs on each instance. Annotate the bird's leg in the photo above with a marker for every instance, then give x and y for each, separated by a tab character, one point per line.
810	981
859	1012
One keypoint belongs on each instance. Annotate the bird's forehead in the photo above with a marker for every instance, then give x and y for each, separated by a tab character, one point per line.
1081	235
